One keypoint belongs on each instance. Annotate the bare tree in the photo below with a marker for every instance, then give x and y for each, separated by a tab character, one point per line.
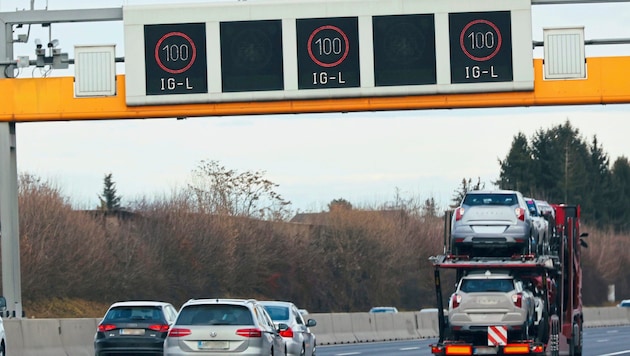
218	190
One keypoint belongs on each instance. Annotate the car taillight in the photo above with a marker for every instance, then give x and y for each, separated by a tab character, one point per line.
459	214
287	333
249	332
455	300
517	299
179	332
106	327
159	327
520	213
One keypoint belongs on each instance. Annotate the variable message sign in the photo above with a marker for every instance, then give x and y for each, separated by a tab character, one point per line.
310	49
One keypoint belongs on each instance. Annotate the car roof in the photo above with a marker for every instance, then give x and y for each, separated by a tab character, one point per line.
276	302
139	303
479	274
220	301
498	191
384	308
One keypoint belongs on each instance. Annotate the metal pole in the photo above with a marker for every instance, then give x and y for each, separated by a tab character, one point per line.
9	223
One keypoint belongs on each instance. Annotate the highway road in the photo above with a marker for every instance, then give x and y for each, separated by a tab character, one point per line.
608	341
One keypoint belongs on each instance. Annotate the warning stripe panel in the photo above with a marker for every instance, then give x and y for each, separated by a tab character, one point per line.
497	335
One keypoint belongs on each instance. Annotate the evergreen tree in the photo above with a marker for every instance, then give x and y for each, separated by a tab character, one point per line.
560	155
430	208
339	204
619	199
516	168
599	187
110	201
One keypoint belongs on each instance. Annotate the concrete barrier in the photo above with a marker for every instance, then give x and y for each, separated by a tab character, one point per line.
42	337
606	316
428	324
75	332
325	333
14	336
75	337
342	328
384	323
405	326
363	327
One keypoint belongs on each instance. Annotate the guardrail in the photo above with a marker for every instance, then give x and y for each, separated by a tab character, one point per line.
74	337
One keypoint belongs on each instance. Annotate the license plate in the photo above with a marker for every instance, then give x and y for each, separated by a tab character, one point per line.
131	331
480	229
480	350
213	345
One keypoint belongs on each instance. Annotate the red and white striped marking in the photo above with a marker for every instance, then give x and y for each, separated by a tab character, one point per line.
497	335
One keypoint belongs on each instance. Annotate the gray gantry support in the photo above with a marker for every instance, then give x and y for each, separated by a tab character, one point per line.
9	222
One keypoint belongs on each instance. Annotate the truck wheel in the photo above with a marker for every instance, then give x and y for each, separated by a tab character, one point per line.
554	338
576	341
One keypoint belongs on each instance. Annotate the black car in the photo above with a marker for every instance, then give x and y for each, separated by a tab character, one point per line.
134	328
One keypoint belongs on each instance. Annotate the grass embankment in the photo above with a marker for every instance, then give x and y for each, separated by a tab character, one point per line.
64	308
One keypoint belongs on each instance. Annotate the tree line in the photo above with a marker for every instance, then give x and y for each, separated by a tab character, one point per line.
228	234
559	165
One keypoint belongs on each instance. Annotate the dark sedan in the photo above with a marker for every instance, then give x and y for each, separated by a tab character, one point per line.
134	328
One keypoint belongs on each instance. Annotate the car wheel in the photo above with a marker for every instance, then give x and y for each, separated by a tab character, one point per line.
2	350
303	351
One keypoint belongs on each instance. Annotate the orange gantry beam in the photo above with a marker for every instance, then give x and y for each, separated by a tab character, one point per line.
52	99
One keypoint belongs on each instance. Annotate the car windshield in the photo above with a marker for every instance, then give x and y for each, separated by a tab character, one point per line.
487	285
490	199
215	314
134	313
277	312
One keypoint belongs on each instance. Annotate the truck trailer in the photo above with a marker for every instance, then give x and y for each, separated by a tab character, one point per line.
552	282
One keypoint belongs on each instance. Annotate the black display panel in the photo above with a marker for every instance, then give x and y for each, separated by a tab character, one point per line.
404	49
328	53
481	47
251	56
175	59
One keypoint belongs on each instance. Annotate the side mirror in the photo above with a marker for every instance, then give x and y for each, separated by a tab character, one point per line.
311	322
282	327
583	243
584	234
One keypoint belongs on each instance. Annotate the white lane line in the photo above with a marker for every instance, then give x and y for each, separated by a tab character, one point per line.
603	340
409	348
349	353
617	353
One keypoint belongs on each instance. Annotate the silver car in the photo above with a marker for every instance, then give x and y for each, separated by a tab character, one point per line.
211	327
491	298
298	337
541	226
491	221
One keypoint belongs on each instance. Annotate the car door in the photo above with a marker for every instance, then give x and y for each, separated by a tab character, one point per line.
272	331
307	336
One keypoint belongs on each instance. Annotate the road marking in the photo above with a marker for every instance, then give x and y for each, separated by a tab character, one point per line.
603	340
617	353
409	348
353	353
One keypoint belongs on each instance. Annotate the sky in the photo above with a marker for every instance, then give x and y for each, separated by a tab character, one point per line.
367	158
